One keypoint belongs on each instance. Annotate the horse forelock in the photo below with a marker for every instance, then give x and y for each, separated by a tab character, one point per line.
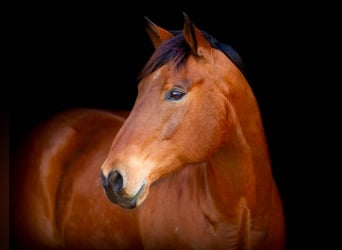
176	51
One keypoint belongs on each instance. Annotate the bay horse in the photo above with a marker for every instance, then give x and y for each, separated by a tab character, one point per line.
187	168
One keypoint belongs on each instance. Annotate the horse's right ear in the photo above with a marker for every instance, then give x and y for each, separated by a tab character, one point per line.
157	34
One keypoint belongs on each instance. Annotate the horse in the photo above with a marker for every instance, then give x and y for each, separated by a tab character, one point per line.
187	168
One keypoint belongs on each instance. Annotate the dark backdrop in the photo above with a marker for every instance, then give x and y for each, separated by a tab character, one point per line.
89	56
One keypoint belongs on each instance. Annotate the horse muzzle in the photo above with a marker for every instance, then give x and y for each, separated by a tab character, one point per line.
114	188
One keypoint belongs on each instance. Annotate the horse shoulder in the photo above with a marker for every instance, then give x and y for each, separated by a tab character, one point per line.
43	163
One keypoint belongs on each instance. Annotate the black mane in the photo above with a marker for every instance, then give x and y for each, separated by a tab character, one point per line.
176	51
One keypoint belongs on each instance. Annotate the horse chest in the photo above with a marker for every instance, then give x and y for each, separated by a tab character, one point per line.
178	221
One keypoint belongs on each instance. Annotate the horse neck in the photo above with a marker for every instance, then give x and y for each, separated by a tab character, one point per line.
240	171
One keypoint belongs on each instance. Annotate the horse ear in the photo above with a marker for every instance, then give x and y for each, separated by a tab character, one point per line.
157	34
194	37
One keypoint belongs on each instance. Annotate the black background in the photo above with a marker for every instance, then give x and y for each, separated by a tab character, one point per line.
90	55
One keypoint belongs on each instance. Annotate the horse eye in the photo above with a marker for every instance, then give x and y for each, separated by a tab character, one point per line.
174	94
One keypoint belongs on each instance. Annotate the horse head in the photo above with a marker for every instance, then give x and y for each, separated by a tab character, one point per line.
180	117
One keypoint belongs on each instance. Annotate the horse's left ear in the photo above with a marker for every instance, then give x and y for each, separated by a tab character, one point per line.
157	34
194	37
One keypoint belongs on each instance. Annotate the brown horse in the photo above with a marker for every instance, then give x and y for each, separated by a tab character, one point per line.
188	169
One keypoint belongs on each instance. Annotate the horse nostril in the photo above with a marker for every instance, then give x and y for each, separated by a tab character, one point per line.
116	180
